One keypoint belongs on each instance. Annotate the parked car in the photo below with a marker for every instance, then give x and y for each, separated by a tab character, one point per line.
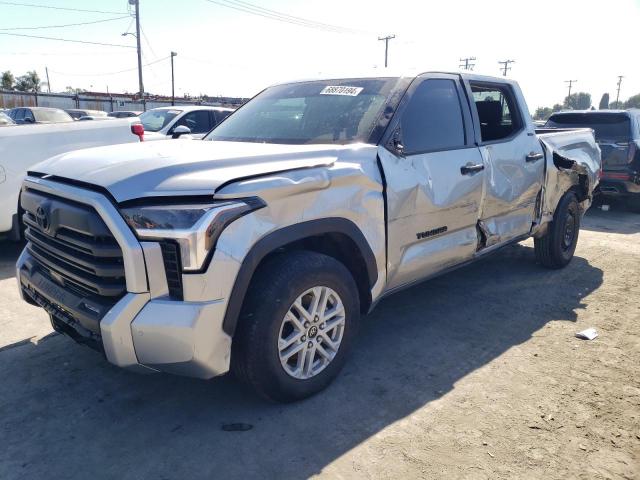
618	134
173	122
76	114
5	120
258	249
23	115
22	148
123	114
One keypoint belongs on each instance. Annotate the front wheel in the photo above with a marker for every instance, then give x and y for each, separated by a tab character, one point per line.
556	248
296	327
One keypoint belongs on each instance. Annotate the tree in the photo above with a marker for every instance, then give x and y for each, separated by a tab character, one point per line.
604	102
7	80
542	113
557	107
578	101
616	105
633	102
30	82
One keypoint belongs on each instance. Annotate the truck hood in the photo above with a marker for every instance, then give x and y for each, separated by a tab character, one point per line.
175	167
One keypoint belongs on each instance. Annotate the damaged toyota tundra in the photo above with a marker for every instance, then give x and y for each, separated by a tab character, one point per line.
258	249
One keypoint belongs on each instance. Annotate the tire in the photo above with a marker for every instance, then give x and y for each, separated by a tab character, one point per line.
258	356
633	203
555	250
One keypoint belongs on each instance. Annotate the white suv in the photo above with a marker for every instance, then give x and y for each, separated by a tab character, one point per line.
173	122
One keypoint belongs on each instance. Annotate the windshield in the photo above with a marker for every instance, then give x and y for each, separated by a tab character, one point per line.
329	111
5	120
53	116
607	126
156	120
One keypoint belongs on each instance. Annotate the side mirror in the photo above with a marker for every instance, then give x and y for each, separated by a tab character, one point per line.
180	130
396	142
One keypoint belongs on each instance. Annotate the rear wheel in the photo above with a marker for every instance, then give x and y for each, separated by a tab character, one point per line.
556	248
296	327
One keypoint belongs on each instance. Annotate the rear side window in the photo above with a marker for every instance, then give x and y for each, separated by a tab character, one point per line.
28	115
432	120
497	111
607	126
18	114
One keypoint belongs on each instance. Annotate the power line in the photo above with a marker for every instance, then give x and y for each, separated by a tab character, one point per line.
293	17
273	15
65	40
108	73
16	4
62	26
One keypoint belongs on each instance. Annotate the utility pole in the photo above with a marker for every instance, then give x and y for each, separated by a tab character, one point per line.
46	69
570	82
140	84
173	82
620	77
386	47
505	66
467	64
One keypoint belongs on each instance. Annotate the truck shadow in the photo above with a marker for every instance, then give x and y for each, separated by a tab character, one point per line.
69	414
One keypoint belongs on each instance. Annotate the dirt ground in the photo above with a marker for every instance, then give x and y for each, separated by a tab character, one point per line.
473	375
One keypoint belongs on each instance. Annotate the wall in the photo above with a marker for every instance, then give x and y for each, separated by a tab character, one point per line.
10	99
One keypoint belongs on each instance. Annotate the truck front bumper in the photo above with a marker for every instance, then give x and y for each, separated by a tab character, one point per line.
144	330
140	333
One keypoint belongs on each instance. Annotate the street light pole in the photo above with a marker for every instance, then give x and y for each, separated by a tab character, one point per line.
140	84
173	82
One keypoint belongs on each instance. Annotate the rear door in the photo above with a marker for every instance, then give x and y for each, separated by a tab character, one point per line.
513	157
434	176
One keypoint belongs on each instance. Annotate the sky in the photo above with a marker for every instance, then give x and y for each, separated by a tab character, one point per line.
229	52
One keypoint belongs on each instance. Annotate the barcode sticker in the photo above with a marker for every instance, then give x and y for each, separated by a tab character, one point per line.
341	90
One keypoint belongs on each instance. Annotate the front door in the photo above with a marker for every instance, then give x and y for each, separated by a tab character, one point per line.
434	174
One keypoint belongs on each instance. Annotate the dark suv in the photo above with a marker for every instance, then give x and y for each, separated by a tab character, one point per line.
25	115
618	134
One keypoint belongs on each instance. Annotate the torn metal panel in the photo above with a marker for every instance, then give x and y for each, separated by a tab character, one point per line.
573	161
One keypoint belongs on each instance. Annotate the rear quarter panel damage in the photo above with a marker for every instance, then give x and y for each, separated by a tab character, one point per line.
573	162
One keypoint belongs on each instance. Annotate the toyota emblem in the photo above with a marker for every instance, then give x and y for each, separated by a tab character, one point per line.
42	218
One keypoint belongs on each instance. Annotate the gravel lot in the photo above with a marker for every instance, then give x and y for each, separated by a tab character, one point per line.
476	374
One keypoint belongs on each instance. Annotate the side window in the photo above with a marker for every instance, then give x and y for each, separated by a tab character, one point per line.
198	121
28	115
18	116
432	120
497	111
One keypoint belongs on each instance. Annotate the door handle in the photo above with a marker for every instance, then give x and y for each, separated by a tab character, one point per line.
469	168
534	157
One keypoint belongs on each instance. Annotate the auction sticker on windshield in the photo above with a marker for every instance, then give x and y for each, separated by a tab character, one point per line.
341	90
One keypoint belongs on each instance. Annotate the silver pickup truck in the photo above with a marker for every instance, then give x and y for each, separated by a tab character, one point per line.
258	249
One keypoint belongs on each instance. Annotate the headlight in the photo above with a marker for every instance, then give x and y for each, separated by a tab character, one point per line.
195	227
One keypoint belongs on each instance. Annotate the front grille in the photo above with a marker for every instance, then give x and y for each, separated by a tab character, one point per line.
72	246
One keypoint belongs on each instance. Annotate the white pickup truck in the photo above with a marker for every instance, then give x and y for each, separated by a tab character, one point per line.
23	146
258	249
